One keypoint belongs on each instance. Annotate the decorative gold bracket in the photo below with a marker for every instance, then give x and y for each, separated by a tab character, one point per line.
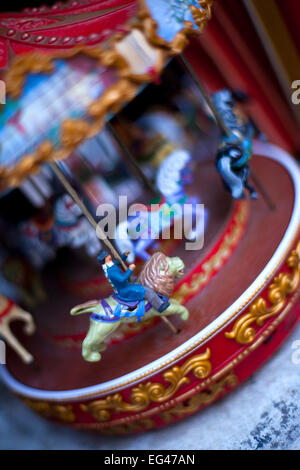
283	285
205	397
145	394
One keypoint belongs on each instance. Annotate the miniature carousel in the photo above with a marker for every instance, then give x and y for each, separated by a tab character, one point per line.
103	110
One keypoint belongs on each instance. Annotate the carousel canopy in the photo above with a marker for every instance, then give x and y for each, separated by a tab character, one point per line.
66	68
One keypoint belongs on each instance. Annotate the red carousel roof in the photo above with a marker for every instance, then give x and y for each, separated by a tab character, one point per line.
63	26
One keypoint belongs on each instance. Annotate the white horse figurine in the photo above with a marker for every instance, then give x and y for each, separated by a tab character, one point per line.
173	173
10	312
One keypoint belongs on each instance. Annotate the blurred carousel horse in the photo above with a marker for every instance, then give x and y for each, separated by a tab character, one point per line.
9	312
235	150
67	227
141	231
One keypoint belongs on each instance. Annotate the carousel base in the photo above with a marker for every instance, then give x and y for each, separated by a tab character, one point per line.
243	298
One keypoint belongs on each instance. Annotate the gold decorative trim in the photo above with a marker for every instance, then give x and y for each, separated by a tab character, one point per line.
74	132
62	413
282	286
206	397
22	66
129	428
121	429
145	394
201	17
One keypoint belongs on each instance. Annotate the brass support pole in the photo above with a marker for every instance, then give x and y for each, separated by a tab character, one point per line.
206	96
263	192
71	191
132	160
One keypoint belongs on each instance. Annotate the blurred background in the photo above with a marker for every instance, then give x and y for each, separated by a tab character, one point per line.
250	45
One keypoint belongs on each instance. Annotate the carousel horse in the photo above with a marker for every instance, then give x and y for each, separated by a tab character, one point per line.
159	273
9	312
235	150
67	227
140	232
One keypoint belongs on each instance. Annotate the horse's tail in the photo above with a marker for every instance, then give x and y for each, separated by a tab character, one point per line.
87	307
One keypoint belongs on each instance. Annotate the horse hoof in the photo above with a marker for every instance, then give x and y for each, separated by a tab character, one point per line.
92	357
185	316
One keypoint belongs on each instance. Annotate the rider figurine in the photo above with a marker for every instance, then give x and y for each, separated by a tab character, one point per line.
124	290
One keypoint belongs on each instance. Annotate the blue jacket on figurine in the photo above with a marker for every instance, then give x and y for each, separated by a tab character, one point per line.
119	280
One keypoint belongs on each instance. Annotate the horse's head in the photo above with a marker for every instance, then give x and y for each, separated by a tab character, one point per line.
160	273
176	266
87	307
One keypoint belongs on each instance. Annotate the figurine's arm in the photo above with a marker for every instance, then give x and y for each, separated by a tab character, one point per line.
118	276
124	257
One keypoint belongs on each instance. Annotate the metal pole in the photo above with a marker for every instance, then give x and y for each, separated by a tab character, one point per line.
263	192
132	160
206	96
60	175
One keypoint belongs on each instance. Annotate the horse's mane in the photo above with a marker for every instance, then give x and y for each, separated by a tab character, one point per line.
161	281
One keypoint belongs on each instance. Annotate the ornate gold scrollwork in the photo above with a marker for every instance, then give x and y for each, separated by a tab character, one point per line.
62	413
203	398
24	65
201	15
145	394
282	286
128	428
